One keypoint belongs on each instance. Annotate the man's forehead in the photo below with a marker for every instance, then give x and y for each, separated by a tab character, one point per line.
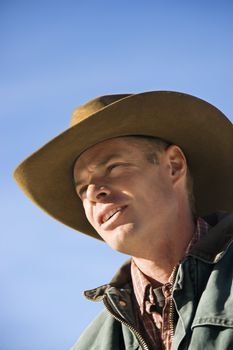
109	147
103	152
100	160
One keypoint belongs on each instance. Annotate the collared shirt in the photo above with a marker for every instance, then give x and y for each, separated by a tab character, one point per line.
154	309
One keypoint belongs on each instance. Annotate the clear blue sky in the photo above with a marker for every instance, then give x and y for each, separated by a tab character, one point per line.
56	55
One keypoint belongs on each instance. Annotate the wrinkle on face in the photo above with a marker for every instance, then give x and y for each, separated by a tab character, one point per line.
140	185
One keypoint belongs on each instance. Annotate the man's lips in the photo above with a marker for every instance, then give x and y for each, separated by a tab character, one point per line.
108	213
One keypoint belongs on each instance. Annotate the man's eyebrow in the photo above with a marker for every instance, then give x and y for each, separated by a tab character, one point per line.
100	163
108	158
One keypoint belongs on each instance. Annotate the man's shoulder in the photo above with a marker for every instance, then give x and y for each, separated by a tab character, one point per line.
92	332
103	329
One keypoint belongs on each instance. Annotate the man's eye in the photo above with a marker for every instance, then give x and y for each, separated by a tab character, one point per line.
114	166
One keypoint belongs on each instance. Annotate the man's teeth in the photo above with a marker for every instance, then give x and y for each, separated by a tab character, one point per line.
110	214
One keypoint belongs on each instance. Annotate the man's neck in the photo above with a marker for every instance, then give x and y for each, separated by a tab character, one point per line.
162	259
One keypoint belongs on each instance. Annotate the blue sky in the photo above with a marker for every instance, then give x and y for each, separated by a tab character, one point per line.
56	55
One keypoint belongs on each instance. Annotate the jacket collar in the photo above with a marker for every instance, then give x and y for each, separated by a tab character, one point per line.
214	244
209	249
121	279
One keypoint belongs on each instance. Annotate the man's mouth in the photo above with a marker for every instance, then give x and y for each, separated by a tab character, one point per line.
111	213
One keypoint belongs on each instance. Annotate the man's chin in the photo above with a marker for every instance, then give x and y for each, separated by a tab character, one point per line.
120	239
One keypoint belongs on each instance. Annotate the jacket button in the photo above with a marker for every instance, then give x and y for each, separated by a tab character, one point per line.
122	303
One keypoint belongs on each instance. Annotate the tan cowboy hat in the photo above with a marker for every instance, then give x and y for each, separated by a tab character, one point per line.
201	130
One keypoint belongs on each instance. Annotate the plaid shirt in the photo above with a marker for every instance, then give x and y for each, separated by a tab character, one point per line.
153	304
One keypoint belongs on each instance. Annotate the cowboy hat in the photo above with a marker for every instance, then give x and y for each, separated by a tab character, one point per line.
201	130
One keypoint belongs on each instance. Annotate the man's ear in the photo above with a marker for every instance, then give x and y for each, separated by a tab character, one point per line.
176	162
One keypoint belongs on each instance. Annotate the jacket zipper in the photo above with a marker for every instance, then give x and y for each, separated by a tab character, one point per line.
133	330
171	308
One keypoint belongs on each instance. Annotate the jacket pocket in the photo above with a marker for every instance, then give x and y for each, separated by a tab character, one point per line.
211	333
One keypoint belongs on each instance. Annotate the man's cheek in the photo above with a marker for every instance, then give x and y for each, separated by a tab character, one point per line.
87	212
89	217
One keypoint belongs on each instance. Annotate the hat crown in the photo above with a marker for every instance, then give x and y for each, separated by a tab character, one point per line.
93	106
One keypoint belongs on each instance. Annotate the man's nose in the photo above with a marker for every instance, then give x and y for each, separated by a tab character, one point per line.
96	193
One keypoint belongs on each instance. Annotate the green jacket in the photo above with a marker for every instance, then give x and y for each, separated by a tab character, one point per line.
202	294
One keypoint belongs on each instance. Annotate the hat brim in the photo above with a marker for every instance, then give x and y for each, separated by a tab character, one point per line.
201	130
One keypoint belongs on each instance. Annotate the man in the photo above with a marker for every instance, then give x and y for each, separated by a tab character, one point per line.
140	172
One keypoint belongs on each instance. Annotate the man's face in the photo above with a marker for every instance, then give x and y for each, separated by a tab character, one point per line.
126	198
